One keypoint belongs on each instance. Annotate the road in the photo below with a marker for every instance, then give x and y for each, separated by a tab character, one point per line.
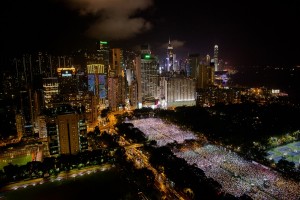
141	160
72	174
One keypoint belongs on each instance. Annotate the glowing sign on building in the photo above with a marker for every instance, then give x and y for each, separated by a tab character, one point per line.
91	83
146	56
95	69
97	84
66	72
97	76
103	42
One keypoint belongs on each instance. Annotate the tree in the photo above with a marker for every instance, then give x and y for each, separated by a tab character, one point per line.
48	164
97	130
286	166
11	171
104	113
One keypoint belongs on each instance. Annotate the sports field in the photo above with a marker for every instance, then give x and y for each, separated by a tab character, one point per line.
291	152
20	160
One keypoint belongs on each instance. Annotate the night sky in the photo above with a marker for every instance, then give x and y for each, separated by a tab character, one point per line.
247	32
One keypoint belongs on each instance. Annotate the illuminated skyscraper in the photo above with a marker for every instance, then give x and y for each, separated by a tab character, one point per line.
216	59
147	75
193	62
112	93
103	52
201	70
68	133
207	59
66	130
170	58
97	81
117	61
20	125
102	58
67	80
116	80
26	107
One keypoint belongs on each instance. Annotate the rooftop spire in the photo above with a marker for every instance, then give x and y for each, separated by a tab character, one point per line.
169	45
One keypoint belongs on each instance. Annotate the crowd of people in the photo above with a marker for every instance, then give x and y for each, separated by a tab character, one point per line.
162	132
237	175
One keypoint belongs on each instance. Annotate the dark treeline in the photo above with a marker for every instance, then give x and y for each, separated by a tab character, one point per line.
237	124
52	166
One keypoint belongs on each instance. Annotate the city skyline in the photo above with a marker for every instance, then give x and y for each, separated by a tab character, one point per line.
247	34
203	107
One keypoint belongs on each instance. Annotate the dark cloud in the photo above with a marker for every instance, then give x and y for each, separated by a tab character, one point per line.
116	19
247	32
118	28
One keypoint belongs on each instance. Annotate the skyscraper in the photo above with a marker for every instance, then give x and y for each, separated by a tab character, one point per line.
116	64
68	133
66	130
216	59
103	53
116	80
131	79
170	58
193	62
147	75
201	70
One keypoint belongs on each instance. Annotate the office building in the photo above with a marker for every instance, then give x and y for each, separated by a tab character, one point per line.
66	129
216	57
116	80
50	88
147	75
177	91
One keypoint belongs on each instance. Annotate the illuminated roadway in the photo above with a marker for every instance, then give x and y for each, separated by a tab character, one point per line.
72	174
141	160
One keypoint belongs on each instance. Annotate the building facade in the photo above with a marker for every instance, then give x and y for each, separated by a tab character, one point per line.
66	131
147	75
177	91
